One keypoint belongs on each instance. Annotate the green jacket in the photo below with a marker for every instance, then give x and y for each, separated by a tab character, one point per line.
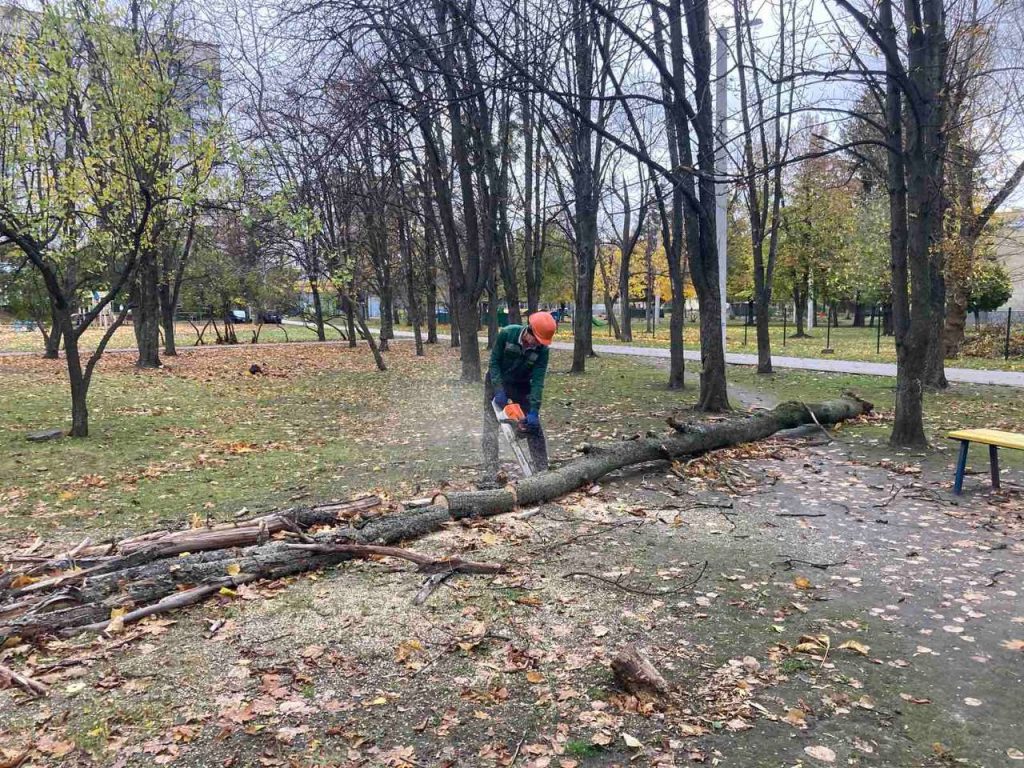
513	366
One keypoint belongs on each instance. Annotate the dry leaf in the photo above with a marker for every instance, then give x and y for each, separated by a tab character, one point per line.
1013	645
796	718
914	699
853	645
819	752
233	569
116	621
1014	754
631	741
802	582
533	676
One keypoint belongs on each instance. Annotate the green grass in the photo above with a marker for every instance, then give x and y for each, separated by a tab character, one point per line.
846	343
185	336
581	749
204	438
795	664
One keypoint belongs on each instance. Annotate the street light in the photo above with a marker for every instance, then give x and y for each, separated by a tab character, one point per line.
722	186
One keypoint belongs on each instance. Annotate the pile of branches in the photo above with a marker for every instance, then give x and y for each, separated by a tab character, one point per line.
103	587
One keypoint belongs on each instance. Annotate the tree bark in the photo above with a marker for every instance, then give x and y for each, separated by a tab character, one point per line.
51	338
146	312
469	340
147	583
858	312
318	310
764	344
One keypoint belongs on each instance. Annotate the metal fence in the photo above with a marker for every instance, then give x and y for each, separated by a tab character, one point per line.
1003	329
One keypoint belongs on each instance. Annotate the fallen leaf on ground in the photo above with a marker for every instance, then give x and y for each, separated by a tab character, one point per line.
796	718
631	741
853	645
914	699
819	752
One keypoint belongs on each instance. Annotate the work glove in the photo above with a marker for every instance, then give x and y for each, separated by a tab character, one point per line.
531	423
500	398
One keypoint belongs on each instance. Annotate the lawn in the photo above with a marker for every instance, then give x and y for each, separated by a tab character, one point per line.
186	336
846	343
203	437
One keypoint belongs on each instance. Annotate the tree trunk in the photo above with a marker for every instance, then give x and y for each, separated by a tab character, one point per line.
956	323
141	581
410	280
387	310
858	312
318	310
350	320
935	368
764	342
800	311
79	384
492	312
469	329
167	309
429	259
456	331
583	315
146	312
510	283
626	324
613	322
51	340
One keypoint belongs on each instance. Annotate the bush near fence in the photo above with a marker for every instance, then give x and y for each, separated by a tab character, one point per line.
991	341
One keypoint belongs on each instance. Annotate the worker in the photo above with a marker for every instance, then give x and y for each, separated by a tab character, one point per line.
519	361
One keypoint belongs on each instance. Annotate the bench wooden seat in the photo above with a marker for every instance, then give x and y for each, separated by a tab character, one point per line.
994	439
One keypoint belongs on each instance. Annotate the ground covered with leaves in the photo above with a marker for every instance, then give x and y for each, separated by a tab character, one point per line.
811	601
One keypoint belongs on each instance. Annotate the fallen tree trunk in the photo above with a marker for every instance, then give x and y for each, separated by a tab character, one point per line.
150	574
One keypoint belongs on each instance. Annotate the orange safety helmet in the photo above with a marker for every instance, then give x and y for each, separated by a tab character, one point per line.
543	327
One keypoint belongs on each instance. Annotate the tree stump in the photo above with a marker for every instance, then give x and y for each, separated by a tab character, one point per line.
636	674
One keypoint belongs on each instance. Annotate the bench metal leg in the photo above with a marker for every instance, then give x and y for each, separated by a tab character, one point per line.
961	467
993	461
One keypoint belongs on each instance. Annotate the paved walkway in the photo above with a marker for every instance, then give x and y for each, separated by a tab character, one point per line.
958	375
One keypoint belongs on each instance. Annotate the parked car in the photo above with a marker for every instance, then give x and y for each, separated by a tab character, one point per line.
271	316
238	316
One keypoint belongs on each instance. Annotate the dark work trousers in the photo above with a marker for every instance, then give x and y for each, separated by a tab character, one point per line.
538	446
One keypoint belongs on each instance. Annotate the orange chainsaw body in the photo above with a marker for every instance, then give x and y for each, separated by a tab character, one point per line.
514	412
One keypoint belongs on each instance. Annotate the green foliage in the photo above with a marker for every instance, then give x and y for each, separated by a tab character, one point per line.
817	228
557	268
740	264
989	286
871	278
98	135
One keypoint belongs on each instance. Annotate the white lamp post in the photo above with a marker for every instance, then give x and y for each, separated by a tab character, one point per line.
722	188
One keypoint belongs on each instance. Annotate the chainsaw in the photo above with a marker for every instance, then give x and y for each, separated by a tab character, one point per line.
510	419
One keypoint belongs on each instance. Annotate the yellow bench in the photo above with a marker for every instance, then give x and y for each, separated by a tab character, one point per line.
994	439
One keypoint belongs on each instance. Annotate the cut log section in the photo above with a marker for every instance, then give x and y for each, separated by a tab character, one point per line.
143	571
636	674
